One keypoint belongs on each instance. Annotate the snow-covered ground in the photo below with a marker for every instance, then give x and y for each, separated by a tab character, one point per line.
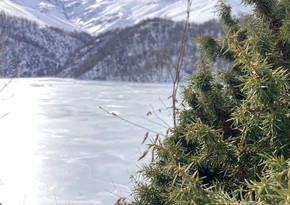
58	147
95	16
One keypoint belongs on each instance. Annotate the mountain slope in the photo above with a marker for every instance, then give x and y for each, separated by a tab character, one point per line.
40	12
145	52
97	16
29	50
50	38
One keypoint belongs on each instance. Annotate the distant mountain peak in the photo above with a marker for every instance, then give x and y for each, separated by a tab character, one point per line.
97	16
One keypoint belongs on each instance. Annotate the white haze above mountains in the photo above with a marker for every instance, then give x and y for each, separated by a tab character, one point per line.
96	16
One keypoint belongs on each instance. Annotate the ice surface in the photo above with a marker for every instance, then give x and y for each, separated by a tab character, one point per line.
58	147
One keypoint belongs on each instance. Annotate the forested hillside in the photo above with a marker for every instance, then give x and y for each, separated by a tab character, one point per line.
145	52
29	50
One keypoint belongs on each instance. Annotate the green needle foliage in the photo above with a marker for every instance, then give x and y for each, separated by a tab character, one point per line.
231	144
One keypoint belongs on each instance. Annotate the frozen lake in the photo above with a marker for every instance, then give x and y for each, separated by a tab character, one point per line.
58	147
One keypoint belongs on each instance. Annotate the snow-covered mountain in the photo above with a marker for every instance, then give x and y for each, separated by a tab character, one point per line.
30	50
101	39
145	52
96	16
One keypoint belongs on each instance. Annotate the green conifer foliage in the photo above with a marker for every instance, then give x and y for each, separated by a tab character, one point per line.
232	140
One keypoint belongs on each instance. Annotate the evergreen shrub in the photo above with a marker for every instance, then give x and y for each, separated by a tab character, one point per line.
231	144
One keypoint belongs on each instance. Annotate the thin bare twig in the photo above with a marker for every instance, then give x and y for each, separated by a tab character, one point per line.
159	118
1	90
179	63
3	116
153	122
167	108
5	85
130	122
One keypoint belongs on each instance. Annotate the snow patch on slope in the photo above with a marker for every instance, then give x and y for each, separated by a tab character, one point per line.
106	15
97	16
18	10
45	14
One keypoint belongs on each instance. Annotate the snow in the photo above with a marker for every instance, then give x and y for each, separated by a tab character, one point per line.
96	16
18	10
43	13
58	147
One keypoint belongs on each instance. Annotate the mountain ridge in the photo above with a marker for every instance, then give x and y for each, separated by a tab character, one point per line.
98	16
140	53
39	38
